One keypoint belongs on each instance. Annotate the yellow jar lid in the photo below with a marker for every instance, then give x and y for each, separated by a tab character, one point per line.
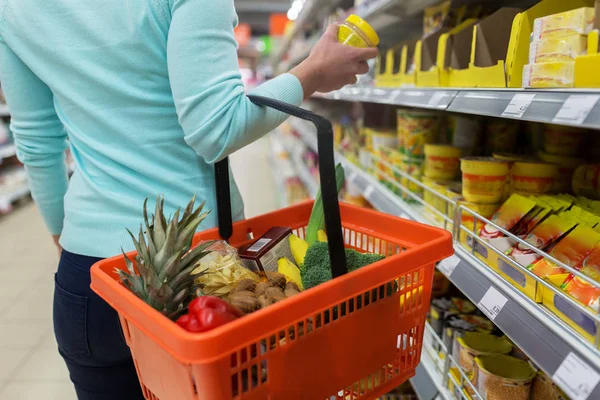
535	169
365	27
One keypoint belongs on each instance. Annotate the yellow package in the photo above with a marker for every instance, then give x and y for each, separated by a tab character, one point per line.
549	75
586	293
533	218
542	237
557	49
573	22
511	212
572	250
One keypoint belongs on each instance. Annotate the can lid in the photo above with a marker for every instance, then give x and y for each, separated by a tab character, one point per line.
365	27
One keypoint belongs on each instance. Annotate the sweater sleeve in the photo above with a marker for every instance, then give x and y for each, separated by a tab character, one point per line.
215	113
39	136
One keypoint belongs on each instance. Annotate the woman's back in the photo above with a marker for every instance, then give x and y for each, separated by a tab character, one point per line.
149	94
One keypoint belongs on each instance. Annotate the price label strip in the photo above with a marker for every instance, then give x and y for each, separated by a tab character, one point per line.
518	105
492	303
436	99
448	265
576	109
576	377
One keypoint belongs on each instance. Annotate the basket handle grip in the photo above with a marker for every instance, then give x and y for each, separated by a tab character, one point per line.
331	207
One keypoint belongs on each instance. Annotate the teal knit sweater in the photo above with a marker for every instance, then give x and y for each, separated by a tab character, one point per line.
146	93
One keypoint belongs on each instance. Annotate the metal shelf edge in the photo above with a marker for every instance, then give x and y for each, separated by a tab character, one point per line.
539	335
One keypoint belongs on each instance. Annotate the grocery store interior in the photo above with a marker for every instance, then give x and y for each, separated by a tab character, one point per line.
480	118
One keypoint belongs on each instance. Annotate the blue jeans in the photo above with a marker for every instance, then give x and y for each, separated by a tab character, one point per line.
89	336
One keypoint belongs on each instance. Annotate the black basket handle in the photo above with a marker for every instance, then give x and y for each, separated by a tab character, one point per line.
331	207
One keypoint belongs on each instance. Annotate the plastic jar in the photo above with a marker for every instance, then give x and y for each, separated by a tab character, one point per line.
586	181
483	179
441	161
504	377
533	177
566	169
475	344
356	32
563	140
416	129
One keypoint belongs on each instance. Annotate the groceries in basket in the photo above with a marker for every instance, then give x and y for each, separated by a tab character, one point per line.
213	283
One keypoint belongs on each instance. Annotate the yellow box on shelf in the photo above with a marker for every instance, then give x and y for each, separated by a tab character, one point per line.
519	279
437	52
522	28
409	55
587	66
564	310
385	70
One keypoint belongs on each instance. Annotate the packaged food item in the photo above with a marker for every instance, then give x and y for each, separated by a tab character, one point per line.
356	32
581	290
441	284
483	179
500	135
458	391
382	138
586	181
572	250
533	177
454	193
263	254
467	219
503	377
441	161
557	49
432	198
566	168
415	130
541	211
414	168
465	133
558	74
562	140
573	22
543	388
224	269
511	159
509	214
475	344
543	236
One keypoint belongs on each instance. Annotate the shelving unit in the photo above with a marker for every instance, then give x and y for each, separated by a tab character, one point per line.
6	200
549	342
567	107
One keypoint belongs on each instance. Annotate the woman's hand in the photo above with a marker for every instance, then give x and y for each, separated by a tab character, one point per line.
332	65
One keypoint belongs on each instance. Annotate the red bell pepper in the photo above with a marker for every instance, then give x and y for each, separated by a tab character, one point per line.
206	313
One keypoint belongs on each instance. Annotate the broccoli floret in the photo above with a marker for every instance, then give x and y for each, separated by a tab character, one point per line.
317	268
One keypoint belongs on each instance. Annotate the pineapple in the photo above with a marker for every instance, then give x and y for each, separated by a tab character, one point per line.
165	265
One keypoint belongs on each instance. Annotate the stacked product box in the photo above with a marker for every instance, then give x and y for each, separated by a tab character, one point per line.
555	43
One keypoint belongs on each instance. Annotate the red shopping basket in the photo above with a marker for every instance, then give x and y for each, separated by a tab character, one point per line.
355	337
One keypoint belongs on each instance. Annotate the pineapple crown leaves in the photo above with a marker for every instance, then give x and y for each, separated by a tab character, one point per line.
165	264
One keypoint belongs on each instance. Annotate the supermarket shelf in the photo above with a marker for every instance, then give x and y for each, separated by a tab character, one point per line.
7	151
312	186
6	200
542	336
566	107
4	111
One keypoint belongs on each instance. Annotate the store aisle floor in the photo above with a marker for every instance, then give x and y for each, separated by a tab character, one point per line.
30	367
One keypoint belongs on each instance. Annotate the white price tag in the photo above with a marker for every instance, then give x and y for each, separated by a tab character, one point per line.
518	105
448	265
492	303
576	377
368	192
576	109
436	99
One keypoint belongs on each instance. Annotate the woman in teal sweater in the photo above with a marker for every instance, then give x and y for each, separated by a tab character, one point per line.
149	96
